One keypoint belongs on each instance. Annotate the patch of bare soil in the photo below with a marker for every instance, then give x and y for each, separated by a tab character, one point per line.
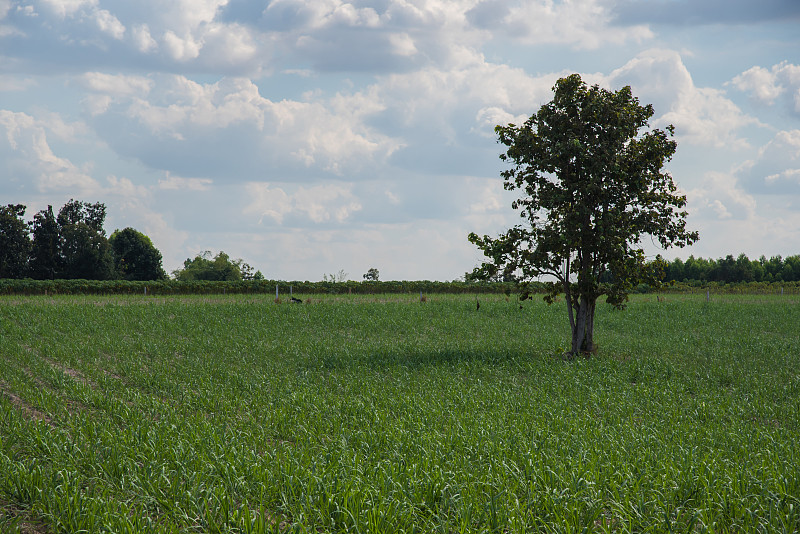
73	373
19	520
29	411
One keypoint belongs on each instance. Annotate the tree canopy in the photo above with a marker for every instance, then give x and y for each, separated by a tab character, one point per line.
45	259
15	242
84	249
220	267
135	257
593	185
73	245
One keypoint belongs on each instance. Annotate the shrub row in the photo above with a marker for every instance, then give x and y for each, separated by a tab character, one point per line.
735	288
176	287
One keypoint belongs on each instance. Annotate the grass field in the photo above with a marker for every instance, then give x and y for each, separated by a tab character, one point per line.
385	414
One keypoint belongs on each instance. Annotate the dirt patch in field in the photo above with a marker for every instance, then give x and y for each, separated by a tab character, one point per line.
35	379
22	405
72	373
12	516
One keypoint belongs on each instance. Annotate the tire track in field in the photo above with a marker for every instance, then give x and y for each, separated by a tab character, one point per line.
27	409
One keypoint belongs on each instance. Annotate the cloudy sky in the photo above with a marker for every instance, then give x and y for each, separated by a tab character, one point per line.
308	137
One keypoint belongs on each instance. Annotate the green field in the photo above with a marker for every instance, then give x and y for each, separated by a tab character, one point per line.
385	414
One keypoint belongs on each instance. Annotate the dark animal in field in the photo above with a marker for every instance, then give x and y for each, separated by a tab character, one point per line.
297	300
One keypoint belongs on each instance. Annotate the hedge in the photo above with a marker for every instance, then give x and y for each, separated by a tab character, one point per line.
175	287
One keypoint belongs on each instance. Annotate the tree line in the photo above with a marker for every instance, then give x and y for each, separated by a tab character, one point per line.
72	244
732	270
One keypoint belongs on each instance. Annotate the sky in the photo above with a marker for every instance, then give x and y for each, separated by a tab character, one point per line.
313	137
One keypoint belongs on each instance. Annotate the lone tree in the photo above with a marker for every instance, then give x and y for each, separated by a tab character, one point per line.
593	186
372	275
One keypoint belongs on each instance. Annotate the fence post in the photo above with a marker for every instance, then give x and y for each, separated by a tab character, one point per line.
276	291
708	295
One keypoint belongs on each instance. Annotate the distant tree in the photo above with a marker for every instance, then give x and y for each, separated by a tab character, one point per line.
45	260
77	212
477	275
84	248
372	275
135	257
204	267
743	271
774	268
675	271
341	276
696	268
593	186
247	271
758	270
15	242
724	269
792	265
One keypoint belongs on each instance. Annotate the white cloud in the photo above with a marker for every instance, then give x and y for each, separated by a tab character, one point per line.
109	24
105	87
182	48
105	21
701	115
479	88
67	8
15	83
246	128
143	39
116	84
319	204
719	196
766	86
776	169
320	14
29	158
178	183
189	32
584	24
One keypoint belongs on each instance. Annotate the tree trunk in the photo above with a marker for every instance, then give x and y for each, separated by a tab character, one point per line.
583	331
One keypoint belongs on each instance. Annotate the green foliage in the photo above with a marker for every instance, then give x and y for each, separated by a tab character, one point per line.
86	253
254	286
593	184
372	275
409	287
233	414
71	245
204	267
135	257
15	243
731	271
45	261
